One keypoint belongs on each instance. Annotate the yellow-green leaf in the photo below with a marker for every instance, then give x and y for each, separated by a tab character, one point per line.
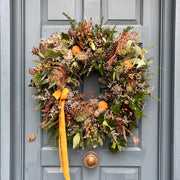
76	140
138	61
41	55
106	124
113	145
100	142
36	61
104	39
93	46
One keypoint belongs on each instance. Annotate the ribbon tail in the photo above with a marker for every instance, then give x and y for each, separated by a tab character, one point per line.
60	157
64	143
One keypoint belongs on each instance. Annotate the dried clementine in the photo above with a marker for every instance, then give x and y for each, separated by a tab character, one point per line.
102	105
76	49
128	64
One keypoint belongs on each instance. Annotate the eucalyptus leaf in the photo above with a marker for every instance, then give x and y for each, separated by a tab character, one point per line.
51	84
39	105
101	69
114	76
100	141
117	75
41	55
104	39
36	61
76	140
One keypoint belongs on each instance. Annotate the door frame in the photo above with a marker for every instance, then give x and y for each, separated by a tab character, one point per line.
176	96
12	90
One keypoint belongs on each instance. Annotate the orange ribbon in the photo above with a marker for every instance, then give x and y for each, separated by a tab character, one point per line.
63	154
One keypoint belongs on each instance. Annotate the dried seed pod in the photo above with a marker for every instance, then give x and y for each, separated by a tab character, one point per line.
82	56
32	71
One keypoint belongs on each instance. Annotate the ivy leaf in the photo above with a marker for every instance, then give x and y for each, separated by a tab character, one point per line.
65	36
76	140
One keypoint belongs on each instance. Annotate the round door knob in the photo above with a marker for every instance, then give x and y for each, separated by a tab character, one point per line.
90	159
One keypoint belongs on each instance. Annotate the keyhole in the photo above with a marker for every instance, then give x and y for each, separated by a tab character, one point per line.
31	138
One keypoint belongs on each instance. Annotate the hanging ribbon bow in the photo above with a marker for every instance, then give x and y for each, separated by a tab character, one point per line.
63	155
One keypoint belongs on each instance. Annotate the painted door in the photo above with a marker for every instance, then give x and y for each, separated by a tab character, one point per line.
44	17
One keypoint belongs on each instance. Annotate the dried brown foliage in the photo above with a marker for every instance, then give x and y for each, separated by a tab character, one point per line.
121	44
46	111
122	128
60	76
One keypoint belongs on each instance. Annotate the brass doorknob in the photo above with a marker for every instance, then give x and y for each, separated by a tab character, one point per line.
90	159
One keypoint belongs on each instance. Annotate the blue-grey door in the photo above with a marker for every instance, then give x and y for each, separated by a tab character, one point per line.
44	17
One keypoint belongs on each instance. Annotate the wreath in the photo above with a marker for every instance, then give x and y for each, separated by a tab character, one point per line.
65	59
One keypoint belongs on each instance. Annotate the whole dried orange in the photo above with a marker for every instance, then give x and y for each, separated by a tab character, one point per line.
102	105
128	64
76	49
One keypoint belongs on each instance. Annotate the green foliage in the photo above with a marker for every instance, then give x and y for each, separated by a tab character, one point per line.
65	36
128	28
51	54
71	21
67	58
116	108
39	105
101	69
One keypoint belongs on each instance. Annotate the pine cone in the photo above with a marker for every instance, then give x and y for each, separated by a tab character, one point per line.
68	109
107	55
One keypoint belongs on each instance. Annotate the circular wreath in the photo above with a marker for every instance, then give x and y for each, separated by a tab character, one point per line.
66	58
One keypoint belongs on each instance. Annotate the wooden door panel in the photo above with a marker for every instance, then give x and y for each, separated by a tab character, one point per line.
117	173
51	173
43	18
